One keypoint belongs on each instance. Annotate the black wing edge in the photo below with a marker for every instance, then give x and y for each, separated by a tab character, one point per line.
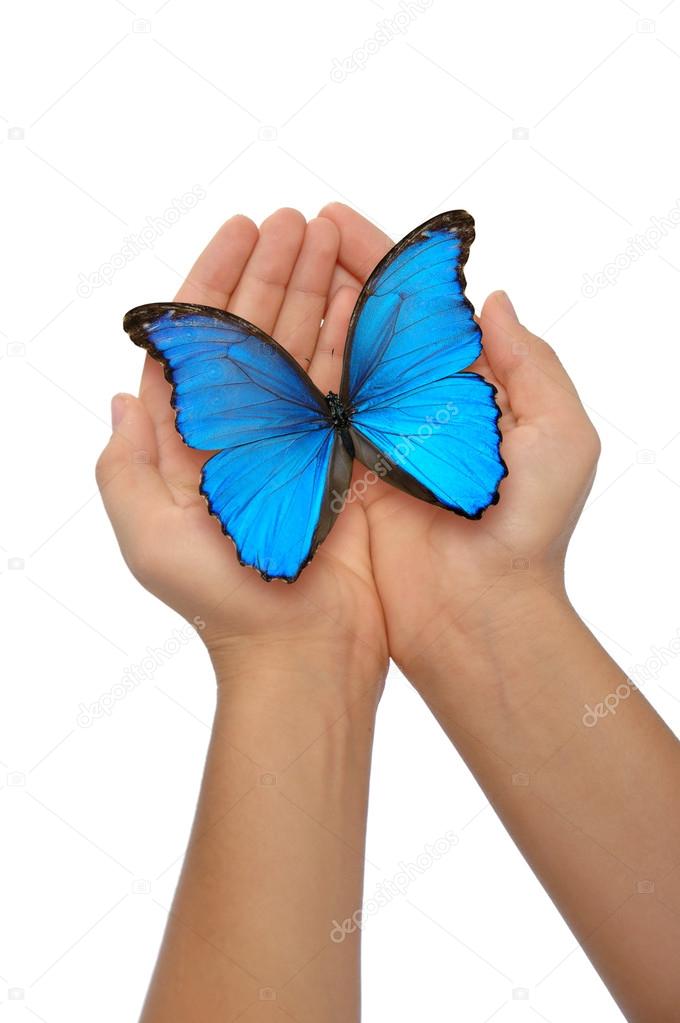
463	224
136	324
370	456
337	482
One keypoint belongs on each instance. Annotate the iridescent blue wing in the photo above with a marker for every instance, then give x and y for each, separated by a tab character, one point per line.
278	462
417	419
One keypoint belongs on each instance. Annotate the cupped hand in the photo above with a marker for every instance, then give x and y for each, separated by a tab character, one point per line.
440	575
283	278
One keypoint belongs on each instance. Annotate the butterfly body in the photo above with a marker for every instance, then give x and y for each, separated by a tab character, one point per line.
341	419
406	409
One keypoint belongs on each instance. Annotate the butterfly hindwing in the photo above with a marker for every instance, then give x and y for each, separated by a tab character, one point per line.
237	392
438	442
417	419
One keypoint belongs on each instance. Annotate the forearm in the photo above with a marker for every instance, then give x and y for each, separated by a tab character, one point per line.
591	801
276	855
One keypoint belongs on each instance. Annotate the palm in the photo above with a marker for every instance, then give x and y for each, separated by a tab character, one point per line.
445	560
281	280
451	563
432	567
334	592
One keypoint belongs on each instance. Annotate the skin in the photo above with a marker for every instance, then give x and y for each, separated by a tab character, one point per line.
277	849
486	634
488	637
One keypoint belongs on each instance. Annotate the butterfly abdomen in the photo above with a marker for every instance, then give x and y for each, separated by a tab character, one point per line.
340	417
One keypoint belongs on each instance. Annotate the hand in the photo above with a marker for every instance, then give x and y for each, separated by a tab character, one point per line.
441	576
330	620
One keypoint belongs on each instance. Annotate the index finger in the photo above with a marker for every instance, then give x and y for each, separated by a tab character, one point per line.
211	281
217	271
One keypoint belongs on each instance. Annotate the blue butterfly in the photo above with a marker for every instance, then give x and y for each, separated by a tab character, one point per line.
404	409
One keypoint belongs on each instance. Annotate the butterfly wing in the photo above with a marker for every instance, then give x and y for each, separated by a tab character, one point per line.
417	420
278	462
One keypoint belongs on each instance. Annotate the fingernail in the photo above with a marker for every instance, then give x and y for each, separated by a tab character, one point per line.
504	300
118	403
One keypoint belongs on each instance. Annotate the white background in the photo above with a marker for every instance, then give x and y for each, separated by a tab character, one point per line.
556	126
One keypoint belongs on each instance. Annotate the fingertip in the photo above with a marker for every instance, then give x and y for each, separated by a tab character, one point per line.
134	437
529	369
241	220
242	229
322	239
504	337
505	341
499	303
325	234
332	209
287	218
119	404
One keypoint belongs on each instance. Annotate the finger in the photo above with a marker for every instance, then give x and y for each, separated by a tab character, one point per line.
326	366
259	295
536	382
362	244
127	472
306	298
216	272
341	277
211	281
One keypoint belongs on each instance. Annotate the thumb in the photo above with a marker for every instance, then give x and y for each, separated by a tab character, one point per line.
534	378
130	484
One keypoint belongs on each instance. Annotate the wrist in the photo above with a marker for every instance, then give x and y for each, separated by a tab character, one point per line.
279	697
503	628
304	667
512	690
301	739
